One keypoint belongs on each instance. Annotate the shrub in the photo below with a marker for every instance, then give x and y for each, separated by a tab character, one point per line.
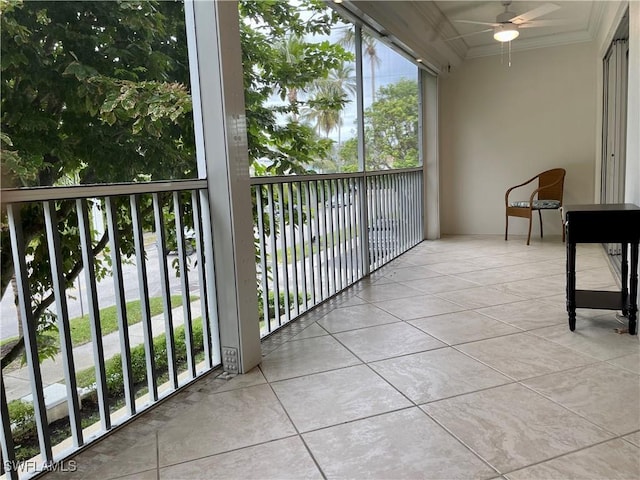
272	303
22	415
113	366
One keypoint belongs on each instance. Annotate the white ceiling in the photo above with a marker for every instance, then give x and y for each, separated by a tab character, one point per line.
579	16
425	27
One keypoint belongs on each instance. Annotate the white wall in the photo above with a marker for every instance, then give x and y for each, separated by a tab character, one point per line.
501	125
632	187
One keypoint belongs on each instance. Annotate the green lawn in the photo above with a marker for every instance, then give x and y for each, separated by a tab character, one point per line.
333	241
8	340
81	330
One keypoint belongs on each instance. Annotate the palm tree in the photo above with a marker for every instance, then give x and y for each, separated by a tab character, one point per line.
292	51
328	98
325	106
369	49
344	80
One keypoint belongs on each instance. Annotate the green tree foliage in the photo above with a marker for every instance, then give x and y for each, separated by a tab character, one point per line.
279	62
285	53
98	91
348	155
325	111
391	127
95	88
392	124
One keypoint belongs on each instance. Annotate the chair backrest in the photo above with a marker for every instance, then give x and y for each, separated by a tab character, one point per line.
549	177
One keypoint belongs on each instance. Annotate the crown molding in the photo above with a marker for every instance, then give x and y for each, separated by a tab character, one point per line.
421	28
596	18
418	27
532	43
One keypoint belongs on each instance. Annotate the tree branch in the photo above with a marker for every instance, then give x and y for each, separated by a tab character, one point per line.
13	353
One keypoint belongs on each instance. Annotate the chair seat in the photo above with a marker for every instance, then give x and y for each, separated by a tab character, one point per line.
537	204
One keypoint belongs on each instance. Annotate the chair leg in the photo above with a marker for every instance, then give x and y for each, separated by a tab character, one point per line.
529	234
506	227
562	225
540	216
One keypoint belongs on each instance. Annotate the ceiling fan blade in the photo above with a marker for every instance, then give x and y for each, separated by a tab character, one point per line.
469	34
535	13
544	23
473	22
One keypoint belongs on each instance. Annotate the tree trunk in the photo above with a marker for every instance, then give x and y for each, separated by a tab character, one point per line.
14	288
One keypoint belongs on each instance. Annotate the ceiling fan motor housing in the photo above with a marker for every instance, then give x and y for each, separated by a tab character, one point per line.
505	17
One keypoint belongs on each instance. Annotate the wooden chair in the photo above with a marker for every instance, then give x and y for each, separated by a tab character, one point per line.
548	196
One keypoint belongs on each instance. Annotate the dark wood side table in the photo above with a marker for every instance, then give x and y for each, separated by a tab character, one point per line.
613	223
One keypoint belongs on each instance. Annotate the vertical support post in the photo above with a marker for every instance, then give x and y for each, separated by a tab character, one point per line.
431	162
273	220
317	269
331	223
121	308
94	314
202	277
280	191
264	277
339	219
632	167
66	348
221	142
362	164
166	291
7	447
324	235
291	198
29	329
210	278
303	244
357	187
143	287
184	283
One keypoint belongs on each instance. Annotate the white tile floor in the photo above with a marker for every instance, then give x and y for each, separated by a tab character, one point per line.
454	361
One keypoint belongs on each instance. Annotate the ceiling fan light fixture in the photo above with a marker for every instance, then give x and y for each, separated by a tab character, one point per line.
505	33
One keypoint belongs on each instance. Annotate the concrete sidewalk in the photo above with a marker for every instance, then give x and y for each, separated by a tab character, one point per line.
17	383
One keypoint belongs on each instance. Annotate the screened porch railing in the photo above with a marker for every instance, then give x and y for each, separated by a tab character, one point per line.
158	366
316	235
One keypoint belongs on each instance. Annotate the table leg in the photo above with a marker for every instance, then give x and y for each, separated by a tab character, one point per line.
624	274
633	284
571	284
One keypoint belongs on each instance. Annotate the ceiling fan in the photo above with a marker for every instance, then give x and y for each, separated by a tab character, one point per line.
507	24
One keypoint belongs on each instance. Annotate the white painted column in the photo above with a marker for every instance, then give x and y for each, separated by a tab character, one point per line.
632	174
431	171
219	117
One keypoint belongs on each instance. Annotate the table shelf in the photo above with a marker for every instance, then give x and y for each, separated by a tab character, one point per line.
599	299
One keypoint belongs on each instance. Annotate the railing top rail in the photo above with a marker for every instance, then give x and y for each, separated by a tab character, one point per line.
327	176
39	194
393	171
